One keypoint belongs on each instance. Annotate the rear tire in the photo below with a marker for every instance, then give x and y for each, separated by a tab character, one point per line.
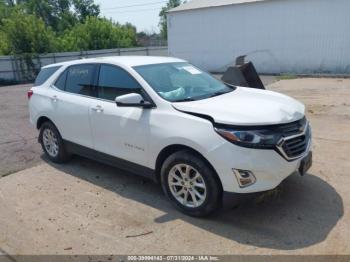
52	143
191	184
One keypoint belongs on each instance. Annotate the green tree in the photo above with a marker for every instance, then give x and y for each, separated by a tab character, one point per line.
40	26
5	11
53	12
4	44
85	8
26	34
9	2
60	15
97	33
163	17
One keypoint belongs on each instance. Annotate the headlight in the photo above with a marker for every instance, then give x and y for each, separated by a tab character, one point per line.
250	138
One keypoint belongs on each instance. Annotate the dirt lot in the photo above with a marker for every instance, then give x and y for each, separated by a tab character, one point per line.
89	208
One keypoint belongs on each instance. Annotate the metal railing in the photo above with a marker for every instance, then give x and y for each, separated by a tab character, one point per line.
21	69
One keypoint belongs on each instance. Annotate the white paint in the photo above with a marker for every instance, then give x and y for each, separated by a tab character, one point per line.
123	61
294	36
244	107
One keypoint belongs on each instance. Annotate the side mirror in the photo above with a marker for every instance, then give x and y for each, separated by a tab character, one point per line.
132	100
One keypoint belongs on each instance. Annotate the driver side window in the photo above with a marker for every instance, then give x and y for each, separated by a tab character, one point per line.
114	81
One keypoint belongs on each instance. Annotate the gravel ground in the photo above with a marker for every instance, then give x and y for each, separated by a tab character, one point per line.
88	208
18	139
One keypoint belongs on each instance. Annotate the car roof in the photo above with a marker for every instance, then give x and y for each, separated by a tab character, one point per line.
122	60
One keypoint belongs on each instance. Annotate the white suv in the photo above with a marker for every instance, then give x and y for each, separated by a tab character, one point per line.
163	118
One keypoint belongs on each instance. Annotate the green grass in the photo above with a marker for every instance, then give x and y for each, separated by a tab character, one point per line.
287	77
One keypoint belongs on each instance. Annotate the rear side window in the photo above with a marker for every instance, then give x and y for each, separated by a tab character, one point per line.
61	81
114	81
80	79
45	74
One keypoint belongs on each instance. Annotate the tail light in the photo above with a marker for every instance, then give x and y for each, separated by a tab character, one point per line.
29	94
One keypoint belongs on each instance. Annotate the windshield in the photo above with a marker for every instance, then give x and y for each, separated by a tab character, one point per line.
178	82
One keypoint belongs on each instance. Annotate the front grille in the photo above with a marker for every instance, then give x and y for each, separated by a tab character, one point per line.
295	147
293	128
296	139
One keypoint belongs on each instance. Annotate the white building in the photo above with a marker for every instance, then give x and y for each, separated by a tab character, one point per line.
279	36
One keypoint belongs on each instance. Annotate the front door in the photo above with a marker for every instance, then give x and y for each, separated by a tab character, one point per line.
122	132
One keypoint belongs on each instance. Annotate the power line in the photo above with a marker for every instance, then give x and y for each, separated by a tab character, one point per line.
134	11
127	6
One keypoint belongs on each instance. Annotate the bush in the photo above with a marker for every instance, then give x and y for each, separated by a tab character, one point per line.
23	33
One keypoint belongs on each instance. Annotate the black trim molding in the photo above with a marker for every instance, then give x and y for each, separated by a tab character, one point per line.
137	169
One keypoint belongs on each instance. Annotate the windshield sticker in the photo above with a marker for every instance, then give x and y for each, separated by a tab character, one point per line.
192	70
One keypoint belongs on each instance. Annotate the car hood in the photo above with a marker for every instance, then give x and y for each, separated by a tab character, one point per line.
247	106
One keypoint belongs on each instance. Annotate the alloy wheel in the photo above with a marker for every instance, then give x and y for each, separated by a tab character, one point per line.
50	142
187	185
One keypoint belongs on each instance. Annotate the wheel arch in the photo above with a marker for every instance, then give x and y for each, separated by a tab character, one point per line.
171	149
41	120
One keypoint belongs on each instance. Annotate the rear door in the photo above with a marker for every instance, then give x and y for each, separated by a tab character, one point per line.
71	97
122	132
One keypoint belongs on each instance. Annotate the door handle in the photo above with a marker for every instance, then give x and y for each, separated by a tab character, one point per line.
54	99
97	109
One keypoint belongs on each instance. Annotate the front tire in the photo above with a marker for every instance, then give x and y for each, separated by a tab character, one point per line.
191	184
52	143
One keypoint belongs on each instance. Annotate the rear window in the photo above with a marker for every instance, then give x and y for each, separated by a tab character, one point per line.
61	81
45	74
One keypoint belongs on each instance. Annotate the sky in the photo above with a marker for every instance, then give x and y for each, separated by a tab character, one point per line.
144	14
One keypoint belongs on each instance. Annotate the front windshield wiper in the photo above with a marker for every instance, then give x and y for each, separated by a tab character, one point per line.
185	100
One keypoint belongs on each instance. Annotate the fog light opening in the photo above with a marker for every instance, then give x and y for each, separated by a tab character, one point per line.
244	178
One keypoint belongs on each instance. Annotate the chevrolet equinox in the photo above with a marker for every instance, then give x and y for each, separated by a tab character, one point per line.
163	118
